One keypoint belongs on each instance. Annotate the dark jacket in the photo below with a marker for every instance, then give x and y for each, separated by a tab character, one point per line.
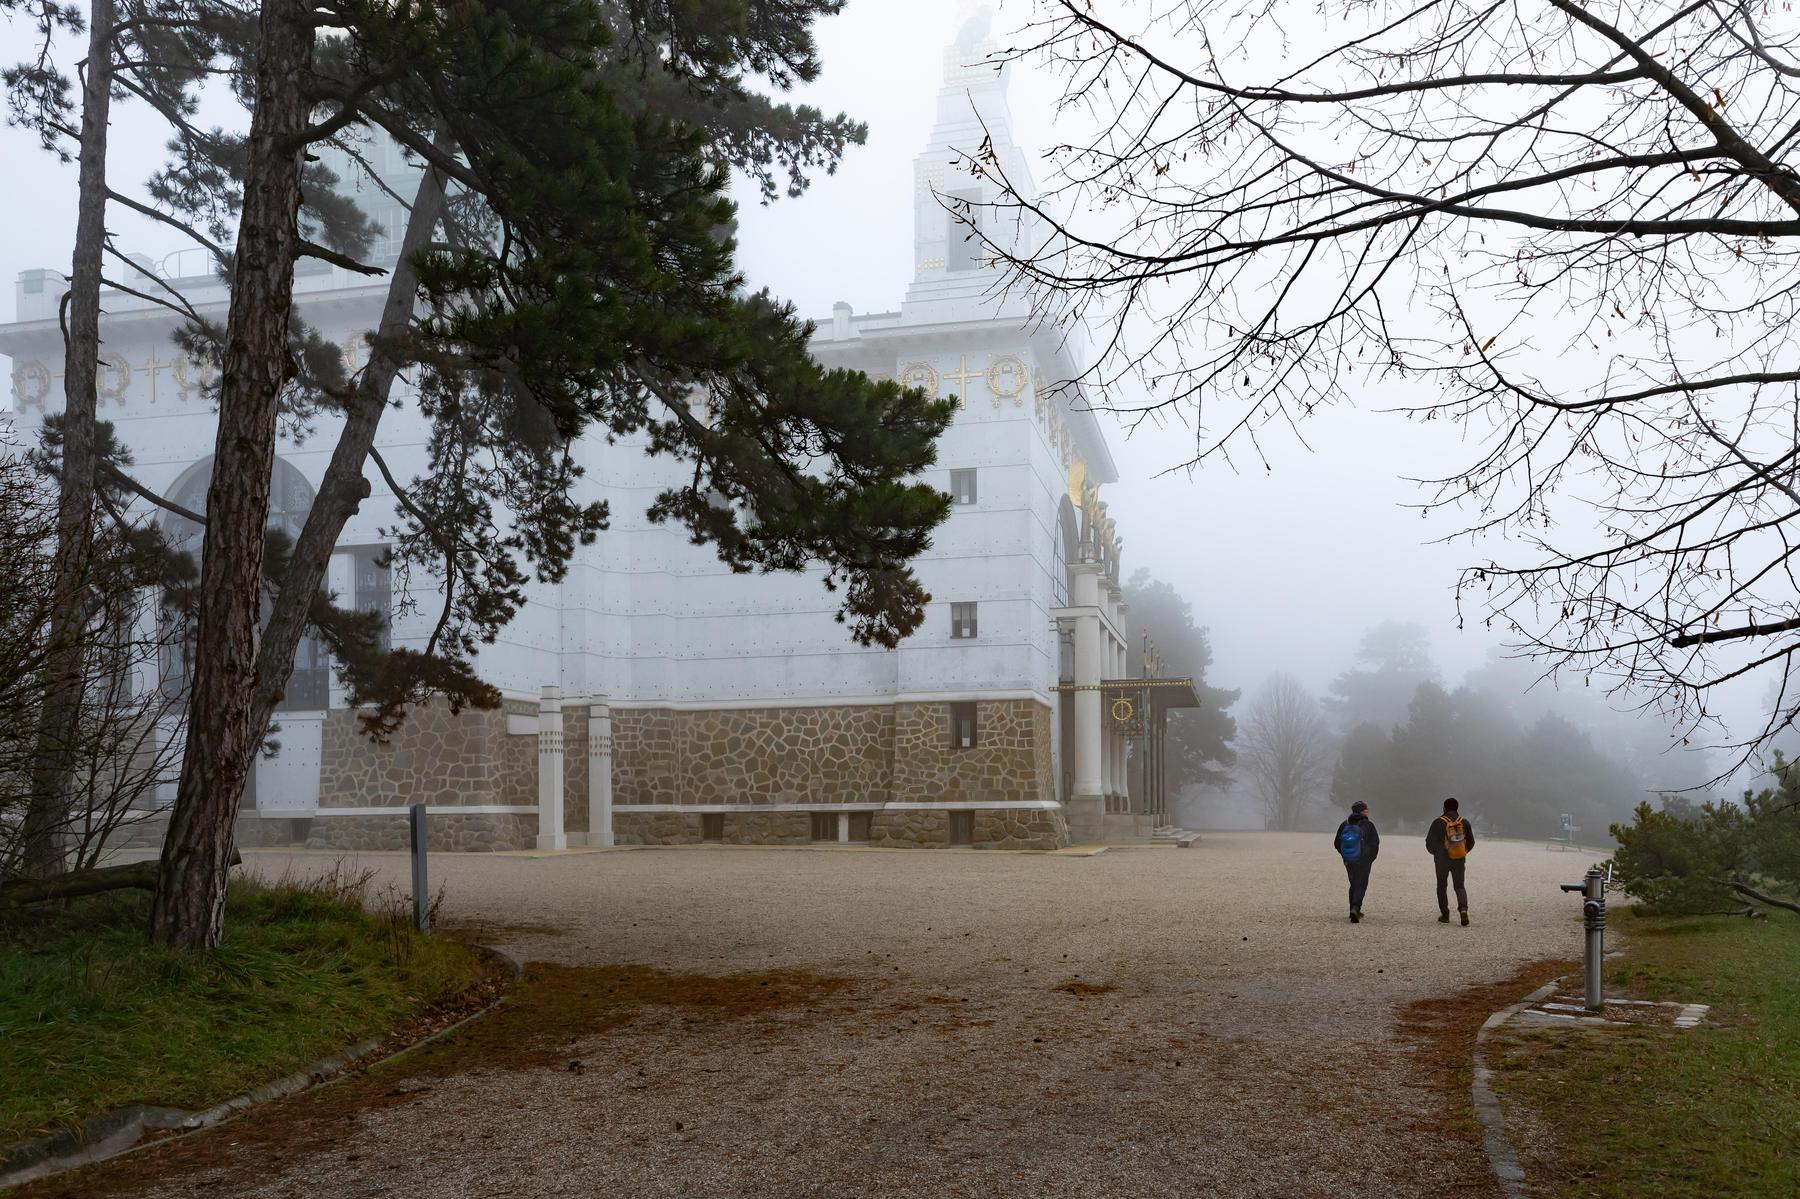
1434	836
1371	838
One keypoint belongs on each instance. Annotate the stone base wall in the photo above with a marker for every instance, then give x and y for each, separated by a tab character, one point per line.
767	828
656	828
1021	828
473	832
910	830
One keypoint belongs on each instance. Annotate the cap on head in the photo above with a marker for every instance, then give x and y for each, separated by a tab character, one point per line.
1358	808
1450	805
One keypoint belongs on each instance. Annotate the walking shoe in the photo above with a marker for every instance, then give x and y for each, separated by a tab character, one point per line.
1465	919
1355	915
1443	917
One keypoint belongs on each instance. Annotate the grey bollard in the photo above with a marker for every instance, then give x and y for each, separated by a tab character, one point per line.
421	890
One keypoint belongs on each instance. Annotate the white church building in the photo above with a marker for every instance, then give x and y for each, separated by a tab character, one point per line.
654	697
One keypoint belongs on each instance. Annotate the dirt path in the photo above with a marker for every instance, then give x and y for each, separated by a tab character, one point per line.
843	1022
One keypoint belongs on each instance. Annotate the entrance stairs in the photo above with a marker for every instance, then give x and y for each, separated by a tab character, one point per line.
1168	834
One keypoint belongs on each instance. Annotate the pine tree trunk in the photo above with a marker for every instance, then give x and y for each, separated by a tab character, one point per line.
47	816
344	487
189	908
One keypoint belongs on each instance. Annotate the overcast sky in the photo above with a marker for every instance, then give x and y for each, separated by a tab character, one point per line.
1288	567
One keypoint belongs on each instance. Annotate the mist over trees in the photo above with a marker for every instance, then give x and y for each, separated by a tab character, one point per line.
1565	229
1286	749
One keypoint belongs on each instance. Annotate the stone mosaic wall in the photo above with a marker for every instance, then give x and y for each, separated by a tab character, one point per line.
1010	760
575	769
473	832
433	757
753	755
767	828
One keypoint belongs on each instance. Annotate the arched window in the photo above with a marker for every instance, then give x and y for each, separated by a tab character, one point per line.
290	499
1065	539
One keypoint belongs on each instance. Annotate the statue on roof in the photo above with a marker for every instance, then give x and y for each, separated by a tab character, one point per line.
975	29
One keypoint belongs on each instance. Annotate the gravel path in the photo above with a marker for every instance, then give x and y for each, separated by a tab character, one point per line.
1142	1022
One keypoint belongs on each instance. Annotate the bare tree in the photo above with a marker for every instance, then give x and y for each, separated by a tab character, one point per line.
124	742
1285	749
1570	227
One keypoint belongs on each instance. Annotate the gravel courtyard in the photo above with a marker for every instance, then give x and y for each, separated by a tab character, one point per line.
1148	1021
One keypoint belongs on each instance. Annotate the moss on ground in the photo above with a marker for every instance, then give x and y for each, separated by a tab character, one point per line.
93	1018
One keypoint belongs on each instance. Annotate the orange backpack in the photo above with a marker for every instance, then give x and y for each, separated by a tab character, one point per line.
1456	839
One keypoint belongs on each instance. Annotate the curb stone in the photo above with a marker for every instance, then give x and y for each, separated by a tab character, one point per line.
1500	1153
119	1132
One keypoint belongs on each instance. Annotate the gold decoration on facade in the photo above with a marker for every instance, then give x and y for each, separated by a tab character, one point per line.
1123	710
961	376
920	375
192	375
1039	399
150	367
30	383
1006	379
114	377
1077	481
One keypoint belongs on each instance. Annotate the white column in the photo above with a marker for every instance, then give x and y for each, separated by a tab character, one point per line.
600	791
1089	668
550	771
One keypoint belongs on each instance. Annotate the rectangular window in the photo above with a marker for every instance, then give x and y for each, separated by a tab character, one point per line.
962	217
962	622
962	486
962	828
964	732
861	825
824	826
712	826
373	582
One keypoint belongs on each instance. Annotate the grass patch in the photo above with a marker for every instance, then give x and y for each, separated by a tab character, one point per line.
93	1018
1639	1111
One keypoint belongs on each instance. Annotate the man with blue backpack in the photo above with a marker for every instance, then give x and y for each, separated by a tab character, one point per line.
1357	843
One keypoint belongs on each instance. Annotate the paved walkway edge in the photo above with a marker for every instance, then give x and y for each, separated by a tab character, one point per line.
116	1133
1500	1153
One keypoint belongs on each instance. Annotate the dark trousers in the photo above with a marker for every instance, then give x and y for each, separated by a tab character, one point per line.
1359	882
1451	870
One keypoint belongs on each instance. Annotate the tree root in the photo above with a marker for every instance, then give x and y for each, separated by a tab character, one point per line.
141	875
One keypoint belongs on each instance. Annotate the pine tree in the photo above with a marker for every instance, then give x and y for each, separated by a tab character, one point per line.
568	259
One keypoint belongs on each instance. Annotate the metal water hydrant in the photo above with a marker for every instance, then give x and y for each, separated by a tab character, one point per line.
1593	921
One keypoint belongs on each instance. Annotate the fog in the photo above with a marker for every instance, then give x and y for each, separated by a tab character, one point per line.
1287	565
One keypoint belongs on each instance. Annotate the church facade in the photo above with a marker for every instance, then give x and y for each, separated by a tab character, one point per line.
653	697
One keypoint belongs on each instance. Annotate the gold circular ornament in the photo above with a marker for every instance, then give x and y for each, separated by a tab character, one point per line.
920	375
193	374
1006	379
115	377
31	383
1122	710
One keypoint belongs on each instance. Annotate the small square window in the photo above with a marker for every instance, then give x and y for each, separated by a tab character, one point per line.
964	730
861	825
712	826
962	622
824	826
962	487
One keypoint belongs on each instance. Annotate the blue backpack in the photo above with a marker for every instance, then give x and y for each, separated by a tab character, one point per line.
1350	842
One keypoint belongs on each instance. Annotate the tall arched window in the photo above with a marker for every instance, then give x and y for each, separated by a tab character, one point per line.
290	499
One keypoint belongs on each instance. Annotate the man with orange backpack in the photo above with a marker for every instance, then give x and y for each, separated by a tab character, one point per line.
1449	840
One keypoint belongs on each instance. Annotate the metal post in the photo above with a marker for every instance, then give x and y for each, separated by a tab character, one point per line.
1593	922
421	890
1593	911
